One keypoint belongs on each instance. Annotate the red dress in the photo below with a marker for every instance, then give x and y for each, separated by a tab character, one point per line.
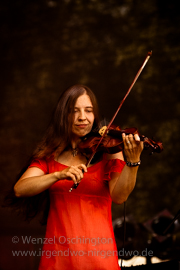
79	233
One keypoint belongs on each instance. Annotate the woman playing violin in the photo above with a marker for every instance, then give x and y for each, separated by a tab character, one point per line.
79	226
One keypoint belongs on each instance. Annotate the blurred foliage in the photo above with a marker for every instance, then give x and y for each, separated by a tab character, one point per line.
48	45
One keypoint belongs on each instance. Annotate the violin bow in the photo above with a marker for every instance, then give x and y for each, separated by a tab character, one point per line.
129	90
114	116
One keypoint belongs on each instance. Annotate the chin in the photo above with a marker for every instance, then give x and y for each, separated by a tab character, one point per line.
82	133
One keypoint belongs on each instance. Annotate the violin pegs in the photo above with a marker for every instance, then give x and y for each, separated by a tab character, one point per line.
102	130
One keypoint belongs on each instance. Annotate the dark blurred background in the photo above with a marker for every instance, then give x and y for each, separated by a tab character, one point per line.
49	45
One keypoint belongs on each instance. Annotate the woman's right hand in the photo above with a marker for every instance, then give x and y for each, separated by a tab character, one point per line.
75	173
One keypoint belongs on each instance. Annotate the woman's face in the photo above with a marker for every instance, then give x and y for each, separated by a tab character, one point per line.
83	116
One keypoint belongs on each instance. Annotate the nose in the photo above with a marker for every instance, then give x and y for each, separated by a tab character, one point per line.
82	115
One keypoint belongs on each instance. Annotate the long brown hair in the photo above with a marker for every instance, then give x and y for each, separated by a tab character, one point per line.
56	139
58	134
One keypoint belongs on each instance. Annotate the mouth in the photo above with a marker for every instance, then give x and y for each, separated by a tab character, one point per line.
82	126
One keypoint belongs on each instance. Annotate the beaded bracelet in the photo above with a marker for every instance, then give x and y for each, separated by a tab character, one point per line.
131	164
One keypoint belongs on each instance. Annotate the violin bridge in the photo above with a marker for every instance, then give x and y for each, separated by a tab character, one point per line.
102	130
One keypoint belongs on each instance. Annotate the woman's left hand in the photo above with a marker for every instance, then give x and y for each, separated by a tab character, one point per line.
132	147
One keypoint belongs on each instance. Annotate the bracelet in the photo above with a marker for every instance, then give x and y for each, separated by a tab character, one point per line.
131	164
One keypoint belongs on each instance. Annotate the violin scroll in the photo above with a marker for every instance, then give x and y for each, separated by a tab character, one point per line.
156	147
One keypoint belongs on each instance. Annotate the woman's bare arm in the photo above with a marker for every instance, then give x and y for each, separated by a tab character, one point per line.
34	181
122	184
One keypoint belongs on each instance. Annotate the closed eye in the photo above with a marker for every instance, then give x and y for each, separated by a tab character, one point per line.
87	109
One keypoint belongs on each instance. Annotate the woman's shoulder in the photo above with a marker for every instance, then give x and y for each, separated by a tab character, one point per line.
41	163
113	163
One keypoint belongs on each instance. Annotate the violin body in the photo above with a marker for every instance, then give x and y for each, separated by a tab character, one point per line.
108	145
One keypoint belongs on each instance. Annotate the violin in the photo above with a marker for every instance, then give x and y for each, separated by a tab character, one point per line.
113	143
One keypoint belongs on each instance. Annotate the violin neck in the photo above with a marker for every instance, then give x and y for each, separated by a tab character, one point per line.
148	143
118	133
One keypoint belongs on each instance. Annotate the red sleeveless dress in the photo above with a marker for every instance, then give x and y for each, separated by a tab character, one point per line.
79	233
